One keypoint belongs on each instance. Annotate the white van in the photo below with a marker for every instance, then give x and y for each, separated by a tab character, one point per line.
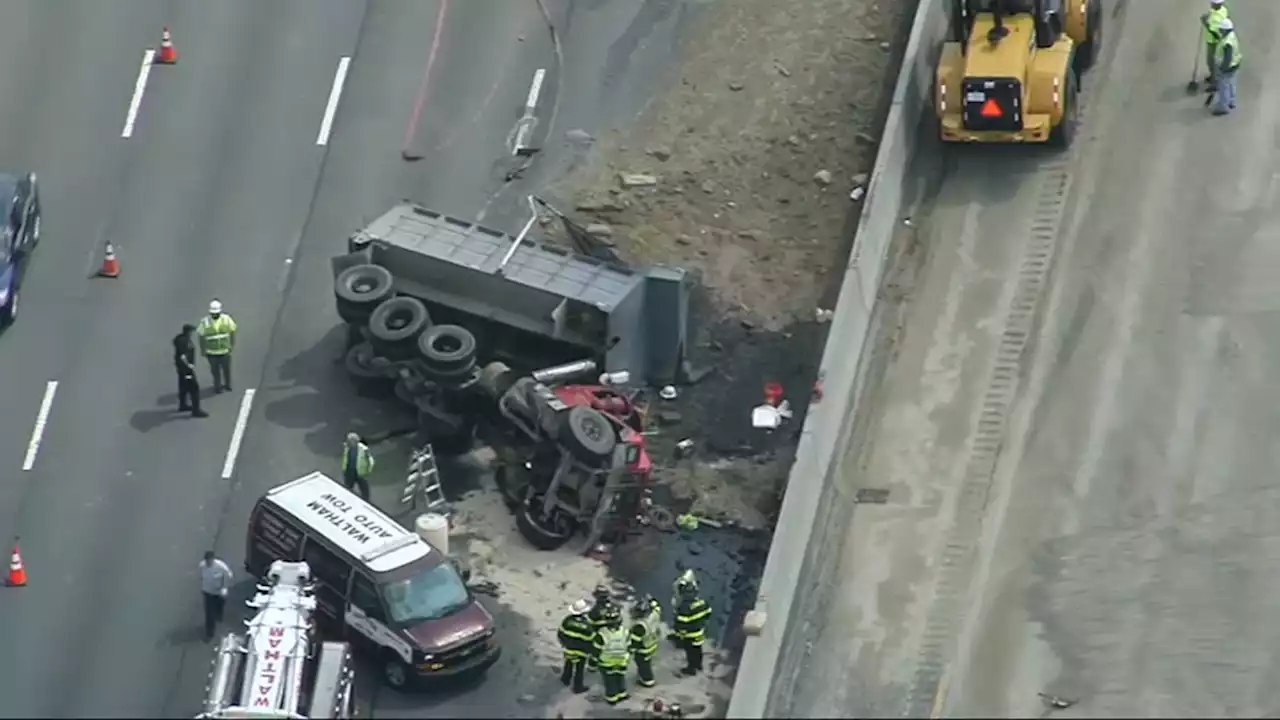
379	585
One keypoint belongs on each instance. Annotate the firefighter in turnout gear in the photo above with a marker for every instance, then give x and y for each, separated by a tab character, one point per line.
614	655
217	333
603	611
691	615
578	641
646	619
685	578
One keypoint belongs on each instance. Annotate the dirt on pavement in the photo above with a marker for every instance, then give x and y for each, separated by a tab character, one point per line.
745	170
754	151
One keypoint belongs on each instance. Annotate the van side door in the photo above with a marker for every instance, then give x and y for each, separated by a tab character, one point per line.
332	577
367	619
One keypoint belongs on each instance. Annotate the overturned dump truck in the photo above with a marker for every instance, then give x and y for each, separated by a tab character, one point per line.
570	458
444	291
277	669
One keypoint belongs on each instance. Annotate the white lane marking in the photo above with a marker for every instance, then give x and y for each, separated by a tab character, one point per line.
237	435
335	94
524	126
42	419
139	87
535	89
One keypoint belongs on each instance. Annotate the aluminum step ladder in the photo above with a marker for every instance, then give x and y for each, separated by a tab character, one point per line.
422	487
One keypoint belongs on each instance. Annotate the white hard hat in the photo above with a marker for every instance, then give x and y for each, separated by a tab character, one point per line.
1225	25
581	607
215	307
1216	3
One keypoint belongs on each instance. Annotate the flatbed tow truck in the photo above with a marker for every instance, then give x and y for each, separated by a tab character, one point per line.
277	669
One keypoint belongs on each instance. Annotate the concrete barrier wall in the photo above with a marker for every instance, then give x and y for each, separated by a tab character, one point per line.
828	422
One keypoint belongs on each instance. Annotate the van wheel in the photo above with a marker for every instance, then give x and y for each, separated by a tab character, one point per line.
395	673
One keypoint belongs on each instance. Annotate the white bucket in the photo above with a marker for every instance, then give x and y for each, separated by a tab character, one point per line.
434	529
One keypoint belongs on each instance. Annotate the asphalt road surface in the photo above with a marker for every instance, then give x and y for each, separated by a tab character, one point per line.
239	171
1122	502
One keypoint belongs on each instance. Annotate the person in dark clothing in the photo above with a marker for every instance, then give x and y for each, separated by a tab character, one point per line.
184	362
577	639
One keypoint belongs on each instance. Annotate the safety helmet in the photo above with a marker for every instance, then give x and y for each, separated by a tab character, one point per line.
601	593
643	605
1217	3
215	307
1225	25
581	606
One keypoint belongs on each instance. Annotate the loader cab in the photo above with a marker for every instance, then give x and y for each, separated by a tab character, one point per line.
1048	18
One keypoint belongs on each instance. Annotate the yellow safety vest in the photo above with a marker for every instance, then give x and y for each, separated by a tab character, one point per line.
364	460
651	624
1230	40
216	334
1211	20
613	645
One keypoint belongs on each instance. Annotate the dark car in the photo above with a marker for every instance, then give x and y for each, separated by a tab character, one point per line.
18	238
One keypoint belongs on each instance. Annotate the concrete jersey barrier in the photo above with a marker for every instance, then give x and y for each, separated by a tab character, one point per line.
829	421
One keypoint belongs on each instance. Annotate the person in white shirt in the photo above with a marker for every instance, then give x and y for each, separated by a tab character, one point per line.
215	579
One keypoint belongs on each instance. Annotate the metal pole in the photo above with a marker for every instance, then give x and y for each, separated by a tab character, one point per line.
515	244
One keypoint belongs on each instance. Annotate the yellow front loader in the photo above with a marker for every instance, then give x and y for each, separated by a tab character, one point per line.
1011	71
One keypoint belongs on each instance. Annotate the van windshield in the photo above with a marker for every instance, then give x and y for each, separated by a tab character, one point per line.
433	593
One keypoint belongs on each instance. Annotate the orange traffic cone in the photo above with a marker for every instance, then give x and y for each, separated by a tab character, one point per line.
110	263
168	54
17	571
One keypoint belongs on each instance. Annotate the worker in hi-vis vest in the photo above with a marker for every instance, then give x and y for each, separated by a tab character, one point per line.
217	333
357	465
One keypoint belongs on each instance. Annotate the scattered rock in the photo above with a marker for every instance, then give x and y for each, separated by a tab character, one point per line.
708	187
751	234
865	138
822	177
660	153
579	136
861	179
885	46
600	231
735	86
794	141
683	239
669	417
635	180
782	70
608	205
528	698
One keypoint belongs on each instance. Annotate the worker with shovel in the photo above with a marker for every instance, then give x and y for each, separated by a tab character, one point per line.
1227	58
1209	23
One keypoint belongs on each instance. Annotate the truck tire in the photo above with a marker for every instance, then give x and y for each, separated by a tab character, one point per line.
395	325
588	434
1065	133
539	535
360	289
447	350
360	362
1087	52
